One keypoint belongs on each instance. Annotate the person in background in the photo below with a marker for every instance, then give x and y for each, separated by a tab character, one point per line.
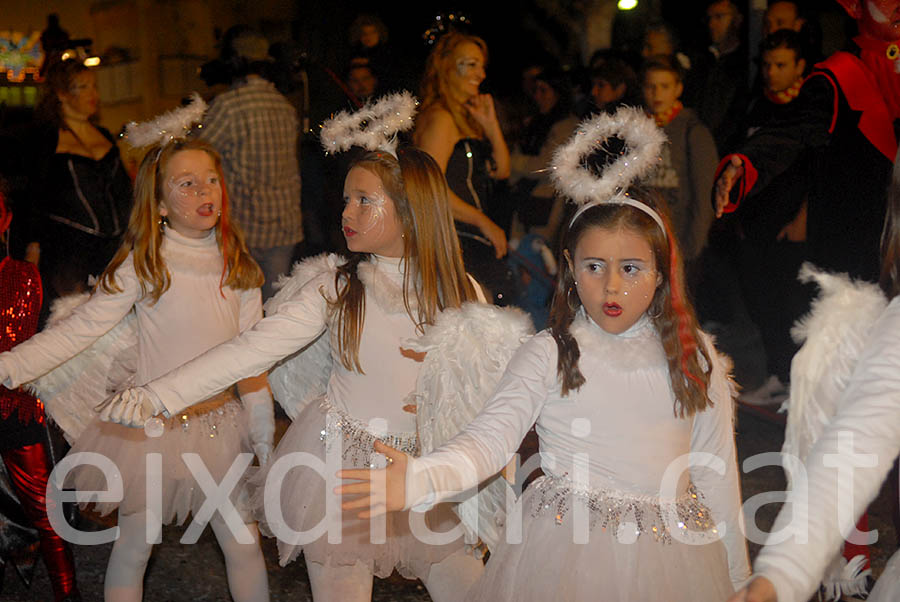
538	207
718	88
772	232
661	40
458	126
782	14
254	128
79	191
613	84
25	447
688	161
361	79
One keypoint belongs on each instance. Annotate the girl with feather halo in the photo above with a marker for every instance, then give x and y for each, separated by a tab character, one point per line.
181	282
622	386
364	343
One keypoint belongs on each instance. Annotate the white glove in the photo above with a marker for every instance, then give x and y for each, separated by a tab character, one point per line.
260	420
130	407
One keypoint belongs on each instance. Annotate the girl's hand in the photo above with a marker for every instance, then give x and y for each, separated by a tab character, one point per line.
481	108
759	589
380	491
130	407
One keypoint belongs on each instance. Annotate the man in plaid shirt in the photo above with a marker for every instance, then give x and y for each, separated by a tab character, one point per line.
255	129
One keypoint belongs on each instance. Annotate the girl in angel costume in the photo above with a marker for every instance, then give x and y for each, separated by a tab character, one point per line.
623	385
843	427
401	291
181	283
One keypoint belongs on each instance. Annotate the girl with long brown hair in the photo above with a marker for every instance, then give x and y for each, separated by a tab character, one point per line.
624	388
404	268
184	282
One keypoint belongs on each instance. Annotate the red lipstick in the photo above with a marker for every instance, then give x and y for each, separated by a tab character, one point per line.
612	309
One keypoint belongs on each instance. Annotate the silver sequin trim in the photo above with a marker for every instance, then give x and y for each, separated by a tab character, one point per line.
357	441
627	516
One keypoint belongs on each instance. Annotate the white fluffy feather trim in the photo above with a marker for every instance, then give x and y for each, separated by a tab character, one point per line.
70	391
845	578
168	126
373	127
643	145
467	352
303	376
833	333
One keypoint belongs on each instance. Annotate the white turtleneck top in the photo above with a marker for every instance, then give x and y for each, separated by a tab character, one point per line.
192	316
619	427
379	392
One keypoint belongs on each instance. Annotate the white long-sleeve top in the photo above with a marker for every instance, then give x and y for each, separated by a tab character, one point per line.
388	375
869	416
192	316
621	421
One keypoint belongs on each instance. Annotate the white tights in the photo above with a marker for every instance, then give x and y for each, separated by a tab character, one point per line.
446	581
244	563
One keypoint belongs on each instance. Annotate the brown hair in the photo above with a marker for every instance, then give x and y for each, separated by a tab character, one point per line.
58	80
670	309
433	90
416	185
144	235
663	63
890	236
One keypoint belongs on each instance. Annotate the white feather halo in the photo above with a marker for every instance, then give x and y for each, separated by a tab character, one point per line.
373	127
176	123
643	144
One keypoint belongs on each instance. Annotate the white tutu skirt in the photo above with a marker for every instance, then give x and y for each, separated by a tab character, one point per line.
298	499
548	565
215	430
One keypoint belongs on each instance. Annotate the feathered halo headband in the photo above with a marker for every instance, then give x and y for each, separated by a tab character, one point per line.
167	127
640	156
373	127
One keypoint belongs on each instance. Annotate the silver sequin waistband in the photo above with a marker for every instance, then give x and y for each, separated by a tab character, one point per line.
357	440
627	516
205	417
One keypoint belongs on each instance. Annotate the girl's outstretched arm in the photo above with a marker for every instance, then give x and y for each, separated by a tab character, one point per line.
70	336
478	452
298	321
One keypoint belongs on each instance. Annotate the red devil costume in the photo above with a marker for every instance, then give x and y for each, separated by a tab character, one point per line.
23	438
845	113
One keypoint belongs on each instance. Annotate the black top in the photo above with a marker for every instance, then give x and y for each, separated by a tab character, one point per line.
848	193
468	176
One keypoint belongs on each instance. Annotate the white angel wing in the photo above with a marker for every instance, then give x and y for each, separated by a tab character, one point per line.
467	352
833	335
70	391
303	376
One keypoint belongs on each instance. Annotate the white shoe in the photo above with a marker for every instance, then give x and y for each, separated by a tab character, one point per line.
771	392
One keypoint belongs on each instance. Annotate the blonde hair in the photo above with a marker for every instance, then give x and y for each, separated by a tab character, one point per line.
434	88
144	234
435	269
